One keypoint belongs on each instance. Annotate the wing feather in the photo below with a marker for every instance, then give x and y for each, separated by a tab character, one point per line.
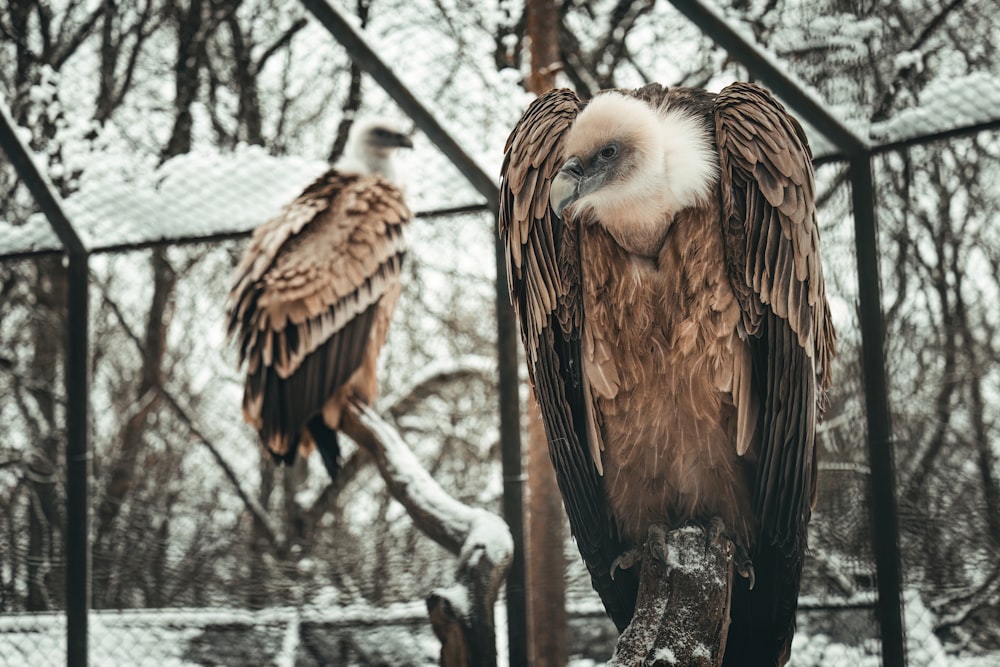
543	277
306	296
772	246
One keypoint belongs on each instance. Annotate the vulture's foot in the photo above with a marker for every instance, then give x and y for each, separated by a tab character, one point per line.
743	563
656	544
626	560
715	530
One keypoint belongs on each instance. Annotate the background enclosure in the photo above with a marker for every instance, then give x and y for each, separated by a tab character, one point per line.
172	128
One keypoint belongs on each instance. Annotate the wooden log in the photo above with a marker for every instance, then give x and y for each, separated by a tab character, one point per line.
682	612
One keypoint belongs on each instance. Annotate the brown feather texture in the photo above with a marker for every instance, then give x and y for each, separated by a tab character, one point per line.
663	259
310	308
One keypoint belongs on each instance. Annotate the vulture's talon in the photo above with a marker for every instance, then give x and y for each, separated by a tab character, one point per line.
656	545
656	542
626	560
743	564
715	529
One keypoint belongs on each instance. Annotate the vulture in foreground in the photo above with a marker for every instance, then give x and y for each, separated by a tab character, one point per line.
314	294
663	258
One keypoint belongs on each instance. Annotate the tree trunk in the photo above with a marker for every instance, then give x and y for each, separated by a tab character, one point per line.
46	573
192	32
546	560
682	612
547	619
543	35
123	472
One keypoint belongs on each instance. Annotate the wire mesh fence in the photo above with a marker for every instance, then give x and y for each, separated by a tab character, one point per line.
189	517
203	553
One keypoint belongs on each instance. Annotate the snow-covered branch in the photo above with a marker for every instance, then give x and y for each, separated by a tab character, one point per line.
682	612
442	518
462	614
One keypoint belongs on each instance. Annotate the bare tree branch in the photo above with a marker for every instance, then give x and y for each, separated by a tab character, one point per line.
280	43
66	49
435	378
462	615
353	100
884	106
255	508
184	415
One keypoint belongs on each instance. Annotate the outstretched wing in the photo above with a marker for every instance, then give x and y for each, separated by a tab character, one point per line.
773	261
543	274
306	296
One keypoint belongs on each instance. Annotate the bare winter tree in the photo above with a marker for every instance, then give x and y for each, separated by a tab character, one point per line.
186	513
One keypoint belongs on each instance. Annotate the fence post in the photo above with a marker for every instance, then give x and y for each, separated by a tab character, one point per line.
77	388
77	461
882	481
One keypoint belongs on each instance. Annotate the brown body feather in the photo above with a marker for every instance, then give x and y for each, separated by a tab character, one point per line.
669	423
679	381
311	305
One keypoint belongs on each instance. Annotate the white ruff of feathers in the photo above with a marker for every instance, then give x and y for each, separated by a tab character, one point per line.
361	156
675	167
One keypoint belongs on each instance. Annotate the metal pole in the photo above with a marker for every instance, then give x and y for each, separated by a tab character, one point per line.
513	475
77	462
885	524
37	183
771	74
77	387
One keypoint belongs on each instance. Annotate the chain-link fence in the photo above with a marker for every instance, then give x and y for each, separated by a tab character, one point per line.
188	517
202	552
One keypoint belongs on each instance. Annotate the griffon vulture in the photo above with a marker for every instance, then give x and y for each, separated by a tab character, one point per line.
663	258
314	294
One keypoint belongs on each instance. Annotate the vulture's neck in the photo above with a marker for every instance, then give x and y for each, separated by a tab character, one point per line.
365	161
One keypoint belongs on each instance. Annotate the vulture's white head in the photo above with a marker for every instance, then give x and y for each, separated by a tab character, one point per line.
370	146
633	167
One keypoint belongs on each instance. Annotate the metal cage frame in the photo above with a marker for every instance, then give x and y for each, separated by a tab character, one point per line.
849	147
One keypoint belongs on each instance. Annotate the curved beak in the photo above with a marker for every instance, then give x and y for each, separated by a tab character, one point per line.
404	140
565	188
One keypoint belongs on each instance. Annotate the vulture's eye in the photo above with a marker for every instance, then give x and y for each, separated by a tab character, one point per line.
381	133
609	152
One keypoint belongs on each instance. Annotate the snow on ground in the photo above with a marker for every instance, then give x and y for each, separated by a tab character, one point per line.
398	634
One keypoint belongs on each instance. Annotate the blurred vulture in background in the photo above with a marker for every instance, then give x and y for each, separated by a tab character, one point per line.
314	294
664	262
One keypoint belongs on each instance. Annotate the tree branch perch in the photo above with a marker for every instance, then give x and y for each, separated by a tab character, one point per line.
461	615
682	612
